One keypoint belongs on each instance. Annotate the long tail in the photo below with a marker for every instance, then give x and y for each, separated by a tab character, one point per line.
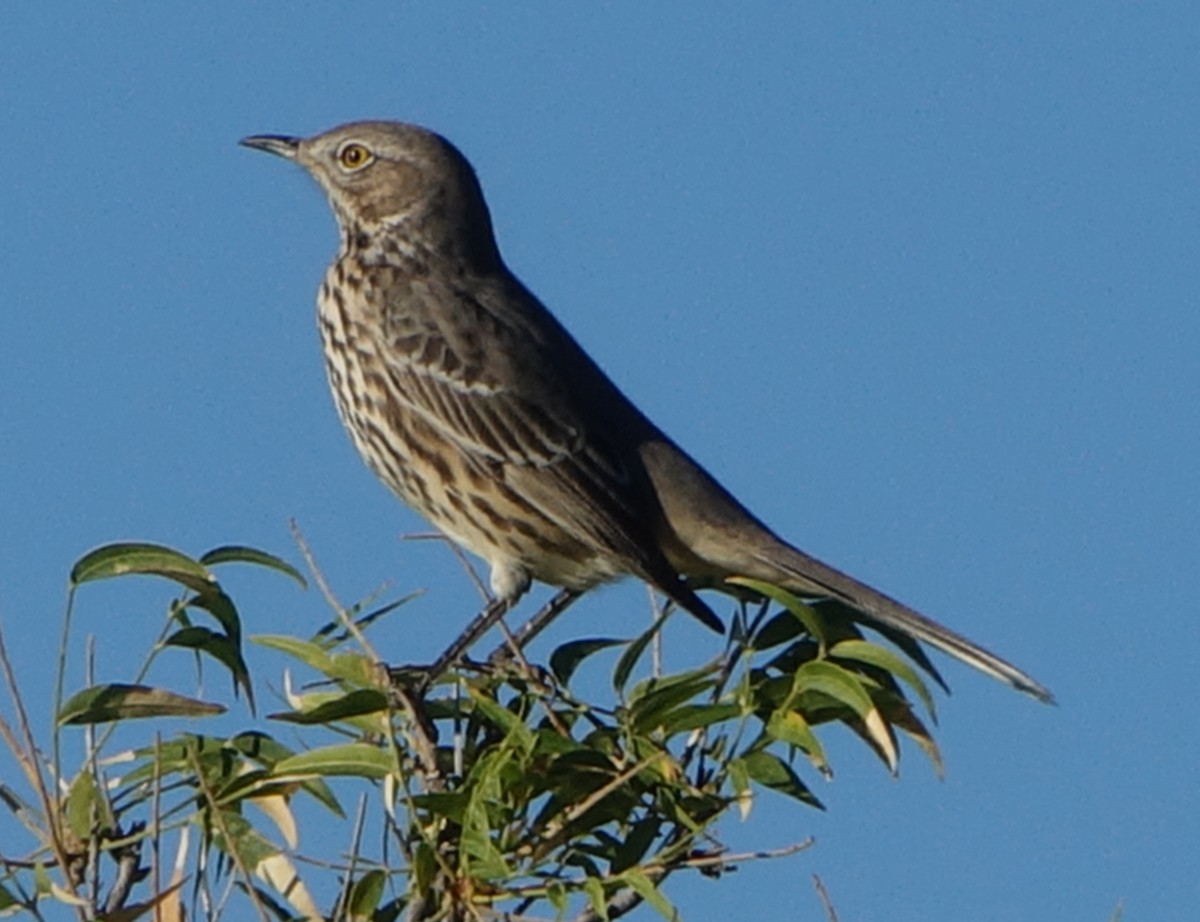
805	575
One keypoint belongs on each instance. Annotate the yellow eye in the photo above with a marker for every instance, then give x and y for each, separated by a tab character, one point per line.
354	156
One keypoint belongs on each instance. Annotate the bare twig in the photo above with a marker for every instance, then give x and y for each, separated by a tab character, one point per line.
218	822
319	578
423	737
343	900
830	912
723	860
156	819
563	600
28	761
129	872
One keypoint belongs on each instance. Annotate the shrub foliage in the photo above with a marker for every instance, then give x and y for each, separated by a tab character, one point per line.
506	789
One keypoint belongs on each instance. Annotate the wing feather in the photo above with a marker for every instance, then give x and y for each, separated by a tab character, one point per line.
504	396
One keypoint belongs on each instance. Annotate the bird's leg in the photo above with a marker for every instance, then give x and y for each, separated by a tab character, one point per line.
534	626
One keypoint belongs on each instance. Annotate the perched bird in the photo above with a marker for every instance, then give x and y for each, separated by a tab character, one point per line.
478	409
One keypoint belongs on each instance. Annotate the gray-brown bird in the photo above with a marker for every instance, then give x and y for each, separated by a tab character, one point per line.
475	406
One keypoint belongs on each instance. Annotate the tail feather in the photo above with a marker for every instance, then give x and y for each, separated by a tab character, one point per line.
805	575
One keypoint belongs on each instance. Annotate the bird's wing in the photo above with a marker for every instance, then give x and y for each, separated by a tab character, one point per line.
474	378
492	382
496	375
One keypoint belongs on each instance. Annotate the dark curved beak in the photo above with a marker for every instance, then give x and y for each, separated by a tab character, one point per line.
278	144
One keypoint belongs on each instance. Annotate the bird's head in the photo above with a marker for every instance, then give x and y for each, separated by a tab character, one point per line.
381	176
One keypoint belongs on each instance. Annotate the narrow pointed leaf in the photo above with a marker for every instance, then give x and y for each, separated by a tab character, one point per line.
352	704
235	554
695	716
636	843
595	894
884	740
772	772
104	703
124	558
793	603
219	647
629	659
221	607
353	759
366	894
567	658
648	890
651	700
352	667
87	812
864	651
791	728
837	683
512	725
305	651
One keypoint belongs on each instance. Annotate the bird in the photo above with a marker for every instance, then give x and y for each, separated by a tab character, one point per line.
475	405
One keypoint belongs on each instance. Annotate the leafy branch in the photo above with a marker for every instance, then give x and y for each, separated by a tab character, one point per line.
509	789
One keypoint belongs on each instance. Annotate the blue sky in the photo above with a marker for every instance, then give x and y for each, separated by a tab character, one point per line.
917	281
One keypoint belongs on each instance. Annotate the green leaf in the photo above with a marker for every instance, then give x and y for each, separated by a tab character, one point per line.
352	759
558	897
366	894
791	728
350	667
451	805
772	772
486	860
808	615
234	835
124	558
42	883
630	657
352	704
928	746
335	632
694	716
261	747
424	868
305	651
636	843
864	651
914	651
221	607
235	554
7	900
647	890
595	894
88	812
899	713
567	658
103	703
778	629
179	754
219	647
653	699
834	682
268	752
513	726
